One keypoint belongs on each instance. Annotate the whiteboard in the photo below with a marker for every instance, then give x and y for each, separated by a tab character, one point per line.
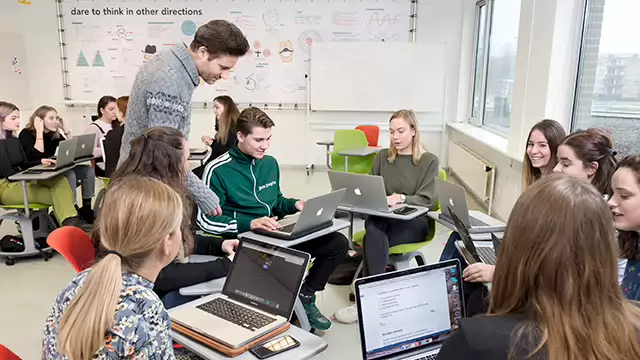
105	51
13	74
377	76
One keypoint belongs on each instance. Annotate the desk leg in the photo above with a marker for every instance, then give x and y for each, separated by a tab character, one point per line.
328	157
25	198
346	163
351	230
202	162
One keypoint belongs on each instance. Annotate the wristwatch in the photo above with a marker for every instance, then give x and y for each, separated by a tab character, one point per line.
403	198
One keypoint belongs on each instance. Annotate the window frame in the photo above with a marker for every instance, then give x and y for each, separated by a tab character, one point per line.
488	4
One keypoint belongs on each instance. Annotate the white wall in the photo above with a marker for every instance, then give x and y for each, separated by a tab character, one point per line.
295	134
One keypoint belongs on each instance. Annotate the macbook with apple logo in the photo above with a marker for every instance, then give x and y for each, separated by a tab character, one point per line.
363	191
317	214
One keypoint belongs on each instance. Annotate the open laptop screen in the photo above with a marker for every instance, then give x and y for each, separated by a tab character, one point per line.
406	313
266	276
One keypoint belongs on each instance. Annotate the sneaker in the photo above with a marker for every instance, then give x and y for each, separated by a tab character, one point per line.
77	222
316	319
348	315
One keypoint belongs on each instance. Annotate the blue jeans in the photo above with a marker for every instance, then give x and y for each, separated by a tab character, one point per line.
87	181
174	299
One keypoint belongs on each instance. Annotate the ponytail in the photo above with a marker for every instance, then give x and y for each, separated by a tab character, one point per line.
91	312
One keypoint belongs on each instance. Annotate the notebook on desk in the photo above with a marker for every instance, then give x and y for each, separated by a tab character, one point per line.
258	296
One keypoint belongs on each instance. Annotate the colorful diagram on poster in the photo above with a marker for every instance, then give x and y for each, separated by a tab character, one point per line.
286	51
15	64
82	60
24	2
189	27
307	38
97	60
148	51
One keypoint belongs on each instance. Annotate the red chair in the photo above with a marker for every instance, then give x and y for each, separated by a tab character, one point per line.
372	132
6	354
75	245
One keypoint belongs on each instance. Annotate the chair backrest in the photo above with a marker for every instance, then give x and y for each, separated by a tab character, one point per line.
6	354
346	140
75	245
372	132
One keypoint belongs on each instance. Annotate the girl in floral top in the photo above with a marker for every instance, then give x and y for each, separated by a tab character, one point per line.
625	206
110	310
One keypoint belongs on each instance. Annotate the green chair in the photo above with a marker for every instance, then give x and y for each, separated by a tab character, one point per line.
346	140
24	217
101	193
400	256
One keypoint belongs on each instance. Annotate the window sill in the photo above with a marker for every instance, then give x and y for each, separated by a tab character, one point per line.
488	138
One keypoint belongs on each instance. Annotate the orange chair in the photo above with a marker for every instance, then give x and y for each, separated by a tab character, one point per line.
372	132
75	245
6	354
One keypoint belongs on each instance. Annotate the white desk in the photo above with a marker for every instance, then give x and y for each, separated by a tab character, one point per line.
337	226
328	144
23	177
207	287
390	215
198	155
310	346
435	215
361	151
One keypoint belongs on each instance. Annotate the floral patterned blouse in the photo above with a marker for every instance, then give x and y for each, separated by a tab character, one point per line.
141	329
631	280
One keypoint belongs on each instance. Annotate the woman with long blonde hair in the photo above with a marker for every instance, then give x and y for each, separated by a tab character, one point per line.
110	310
408	170
555	293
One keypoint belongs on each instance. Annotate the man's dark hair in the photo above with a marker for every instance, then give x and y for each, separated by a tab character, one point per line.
220	37
253	117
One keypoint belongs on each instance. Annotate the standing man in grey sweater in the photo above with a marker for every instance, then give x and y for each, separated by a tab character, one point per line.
163	88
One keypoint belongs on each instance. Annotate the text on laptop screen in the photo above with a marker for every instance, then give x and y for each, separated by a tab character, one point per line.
405	313
265	276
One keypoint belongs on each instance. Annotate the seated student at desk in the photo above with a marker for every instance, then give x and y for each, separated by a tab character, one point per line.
56	191
113	139
107	112
161	153
110	310
408	171
248	184
555	295
40	140
226	113
625	206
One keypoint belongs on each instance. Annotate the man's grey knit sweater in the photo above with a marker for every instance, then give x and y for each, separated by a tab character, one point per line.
161	96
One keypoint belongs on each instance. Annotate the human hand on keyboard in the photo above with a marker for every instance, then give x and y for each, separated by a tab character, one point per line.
48	162
478	272
265	223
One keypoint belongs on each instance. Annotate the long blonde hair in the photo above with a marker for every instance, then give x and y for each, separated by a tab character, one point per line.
141	212
41	113
557	265
5	110
417	148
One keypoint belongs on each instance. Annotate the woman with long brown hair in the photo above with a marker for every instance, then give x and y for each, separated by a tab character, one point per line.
226	137
162	153
555	294
541	152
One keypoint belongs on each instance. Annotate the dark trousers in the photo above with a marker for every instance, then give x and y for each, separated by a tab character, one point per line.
383	233
476	295
329	251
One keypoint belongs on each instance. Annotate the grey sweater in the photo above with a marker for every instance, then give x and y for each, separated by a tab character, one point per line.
402	177
161	96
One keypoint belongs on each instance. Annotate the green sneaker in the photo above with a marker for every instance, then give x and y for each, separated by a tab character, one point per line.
316	319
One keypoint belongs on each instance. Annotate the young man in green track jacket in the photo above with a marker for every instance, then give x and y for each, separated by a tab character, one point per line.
248	184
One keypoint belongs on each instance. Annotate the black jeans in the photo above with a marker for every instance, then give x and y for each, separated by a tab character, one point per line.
383	233
329	251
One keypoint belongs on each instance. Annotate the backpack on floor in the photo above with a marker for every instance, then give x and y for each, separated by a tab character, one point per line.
11	244
346	271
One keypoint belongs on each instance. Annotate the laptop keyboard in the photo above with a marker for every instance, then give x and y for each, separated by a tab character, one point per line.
476	223
287	228
428	357
237	314
487	254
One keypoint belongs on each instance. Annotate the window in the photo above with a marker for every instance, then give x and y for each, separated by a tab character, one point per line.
608	87
495	60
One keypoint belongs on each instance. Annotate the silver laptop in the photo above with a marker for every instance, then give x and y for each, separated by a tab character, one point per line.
84	149
66	155
474	252
363	191
317	214
258	296
408	314
454	196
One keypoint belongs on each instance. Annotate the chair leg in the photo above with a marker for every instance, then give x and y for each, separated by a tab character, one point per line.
420	259
355	276
298	309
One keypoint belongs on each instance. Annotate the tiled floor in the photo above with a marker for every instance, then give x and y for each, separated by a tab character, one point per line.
28	288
